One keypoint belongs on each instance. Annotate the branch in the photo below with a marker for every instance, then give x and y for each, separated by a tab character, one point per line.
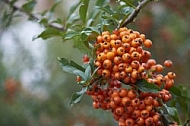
32	16
135	12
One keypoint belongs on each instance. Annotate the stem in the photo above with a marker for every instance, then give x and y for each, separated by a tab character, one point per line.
135	13
32	16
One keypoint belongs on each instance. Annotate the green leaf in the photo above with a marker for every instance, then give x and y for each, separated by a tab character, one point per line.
89	33
172	111
83	10
69	66
76	97
175	90
106	9
58	21
44	21
55	5
184	91
88	72
81	74
29	6
129	3
166	120
101	2
48	33
81	45
144	86
73	8
70	35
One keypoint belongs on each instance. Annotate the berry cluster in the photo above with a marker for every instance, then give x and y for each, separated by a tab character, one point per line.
121	56
122	59
129	106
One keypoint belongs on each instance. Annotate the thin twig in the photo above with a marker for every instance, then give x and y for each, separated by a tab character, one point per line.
32	16
135	13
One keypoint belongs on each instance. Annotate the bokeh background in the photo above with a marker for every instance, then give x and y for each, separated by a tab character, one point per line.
34	91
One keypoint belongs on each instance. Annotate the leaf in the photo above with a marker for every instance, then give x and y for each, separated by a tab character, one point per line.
172	111
83	10
48	33
44	21
129	3
29	6
58	21
73	8
81	74
144	86
101	2
106	9
166	120
88	72
76	97
55	5
81	45
175	90
70	35
69	66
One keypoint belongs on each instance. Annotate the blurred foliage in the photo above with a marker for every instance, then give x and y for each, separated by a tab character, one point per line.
167	26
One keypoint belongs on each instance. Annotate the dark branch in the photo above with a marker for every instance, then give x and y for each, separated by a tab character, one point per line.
30	15
135	13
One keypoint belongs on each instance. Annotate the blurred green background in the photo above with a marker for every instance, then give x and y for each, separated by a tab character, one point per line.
34	91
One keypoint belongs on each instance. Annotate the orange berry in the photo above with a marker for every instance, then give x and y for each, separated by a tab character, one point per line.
132	94
148	100
147	43
135	64
156	118
142	36
117	60
171	75
126	101
105	33
140	121
136	114
107	64
122	29
151	62
101	57
99	39
135	55
119	110
126	39
78	79
123	33
122	74
106	45
144	114
136	42
149	121
168	63
113	36
122	66
110	55
106	38
126	57
135	102
98	64
128	69
129	122
106	73
120	51
117	99
158	68
123	92
132	36
126	46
